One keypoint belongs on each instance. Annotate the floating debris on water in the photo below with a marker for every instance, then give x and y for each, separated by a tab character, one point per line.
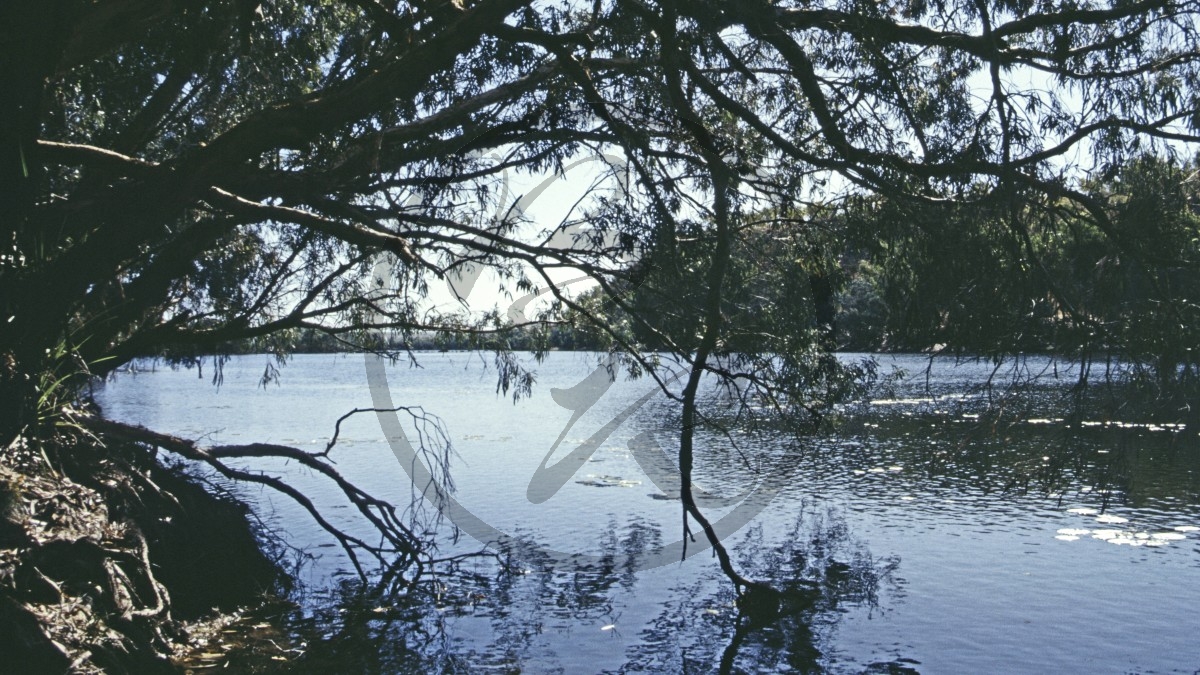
1123	537
608	481
1083	511
1176	428
902	401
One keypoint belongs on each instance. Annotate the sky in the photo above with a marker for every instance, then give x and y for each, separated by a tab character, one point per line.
546	201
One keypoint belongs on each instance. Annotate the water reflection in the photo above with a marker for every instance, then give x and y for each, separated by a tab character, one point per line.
483	616
1034	529
1015	444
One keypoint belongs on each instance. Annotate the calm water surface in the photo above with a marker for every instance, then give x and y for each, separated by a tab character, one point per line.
936	537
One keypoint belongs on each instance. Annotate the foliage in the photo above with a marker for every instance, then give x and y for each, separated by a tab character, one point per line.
954	276
254	157
1141	281
180	176
1045	276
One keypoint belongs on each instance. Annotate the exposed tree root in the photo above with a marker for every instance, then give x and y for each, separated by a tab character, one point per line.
103	550
88	534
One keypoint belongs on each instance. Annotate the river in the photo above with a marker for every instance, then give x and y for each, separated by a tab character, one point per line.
927	534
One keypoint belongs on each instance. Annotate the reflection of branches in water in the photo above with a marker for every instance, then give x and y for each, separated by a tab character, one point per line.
1042	385
1027	427
423	630
353	631
821	568
818	566
480	614
582	589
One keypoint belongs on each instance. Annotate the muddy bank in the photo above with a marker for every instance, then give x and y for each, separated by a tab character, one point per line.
110	562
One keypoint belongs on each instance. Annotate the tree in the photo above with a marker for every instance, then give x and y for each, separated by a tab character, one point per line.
1145	291
964	280
182	174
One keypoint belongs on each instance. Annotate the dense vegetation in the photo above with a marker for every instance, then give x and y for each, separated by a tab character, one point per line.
873	274
968	279
988	276
994	175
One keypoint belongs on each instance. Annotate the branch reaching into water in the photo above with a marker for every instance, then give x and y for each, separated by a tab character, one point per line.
723	185
400	549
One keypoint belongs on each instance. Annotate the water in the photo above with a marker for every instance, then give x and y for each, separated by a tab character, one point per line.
922	535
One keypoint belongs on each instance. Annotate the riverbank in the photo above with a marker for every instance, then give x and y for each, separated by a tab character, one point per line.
112	562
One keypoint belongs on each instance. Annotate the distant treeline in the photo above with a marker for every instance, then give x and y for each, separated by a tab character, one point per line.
1006	273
